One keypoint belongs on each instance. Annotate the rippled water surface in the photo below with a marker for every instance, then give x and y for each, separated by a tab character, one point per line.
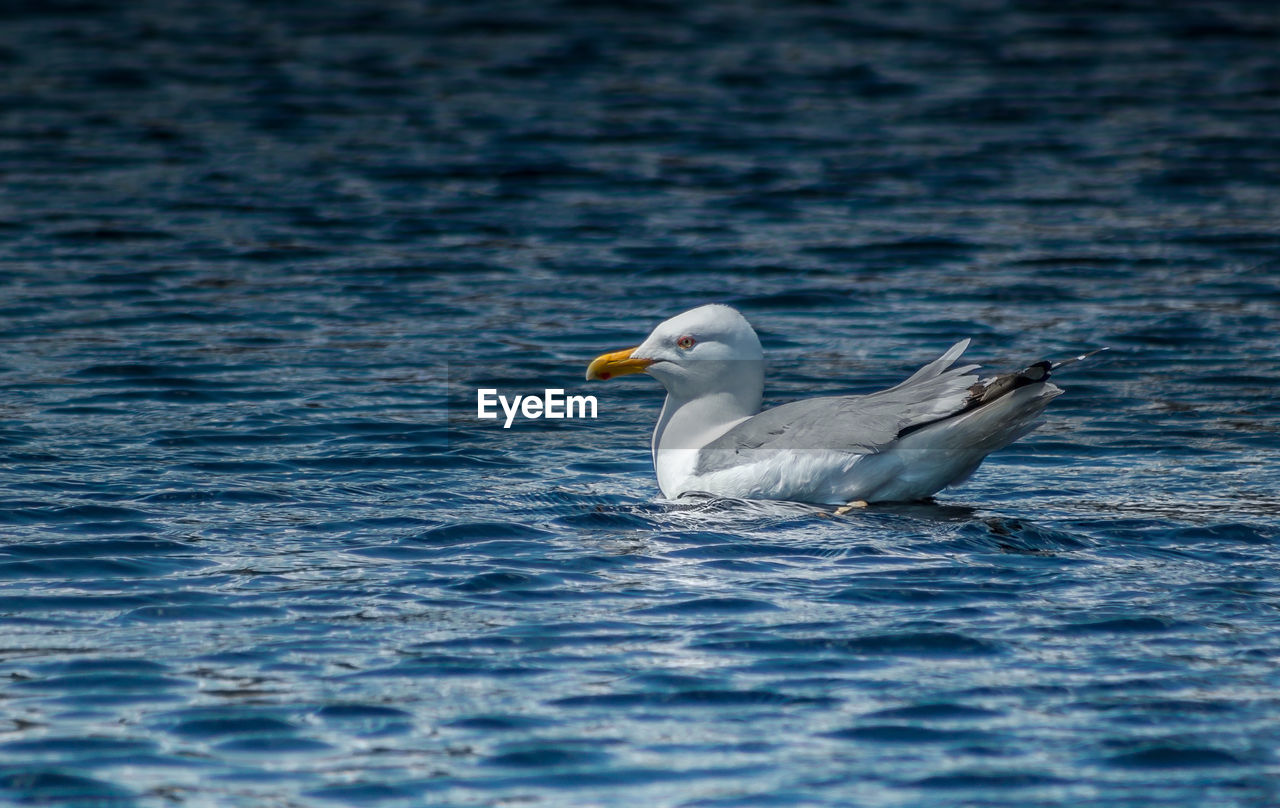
255	549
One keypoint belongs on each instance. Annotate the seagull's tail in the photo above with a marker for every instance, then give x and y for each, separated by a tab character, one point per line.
998	412
949	451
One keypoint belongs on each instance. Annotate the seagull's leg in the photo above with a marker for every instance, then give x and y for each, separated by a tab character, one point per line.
843	509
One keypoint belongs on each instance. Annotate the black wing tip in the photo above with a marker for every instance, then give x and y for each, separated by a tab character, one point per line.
1000	386
1035	373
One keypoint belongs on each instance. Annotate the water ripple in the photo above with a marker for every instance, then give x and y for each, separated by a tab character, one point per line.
257	259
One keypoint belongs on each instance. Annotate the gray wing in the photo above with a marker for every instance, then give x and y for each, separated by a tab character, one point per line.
854	424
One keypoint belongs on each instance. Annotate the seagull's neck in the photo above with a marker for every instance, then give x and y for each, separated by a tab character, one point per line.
691	424
699	408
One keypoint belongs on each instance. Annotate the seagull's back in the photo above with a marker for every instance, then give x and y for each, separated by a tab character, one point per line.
904	443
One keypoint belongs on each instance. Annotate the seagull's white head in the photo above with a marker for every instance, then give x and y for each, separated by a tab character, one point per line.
704	351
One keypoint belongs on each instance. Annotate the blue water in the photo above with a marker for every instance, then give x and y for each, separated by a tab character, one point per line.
255	549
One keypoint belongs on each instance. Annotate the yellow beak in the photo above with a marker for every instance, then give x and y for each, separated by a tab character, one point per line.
618	363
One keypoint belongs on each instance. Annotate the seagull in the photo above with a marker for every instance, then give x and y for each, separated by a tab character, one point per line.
901	444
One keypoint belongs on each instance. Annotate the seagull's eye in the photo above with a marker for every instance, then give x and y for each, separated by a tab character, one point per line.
686	342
